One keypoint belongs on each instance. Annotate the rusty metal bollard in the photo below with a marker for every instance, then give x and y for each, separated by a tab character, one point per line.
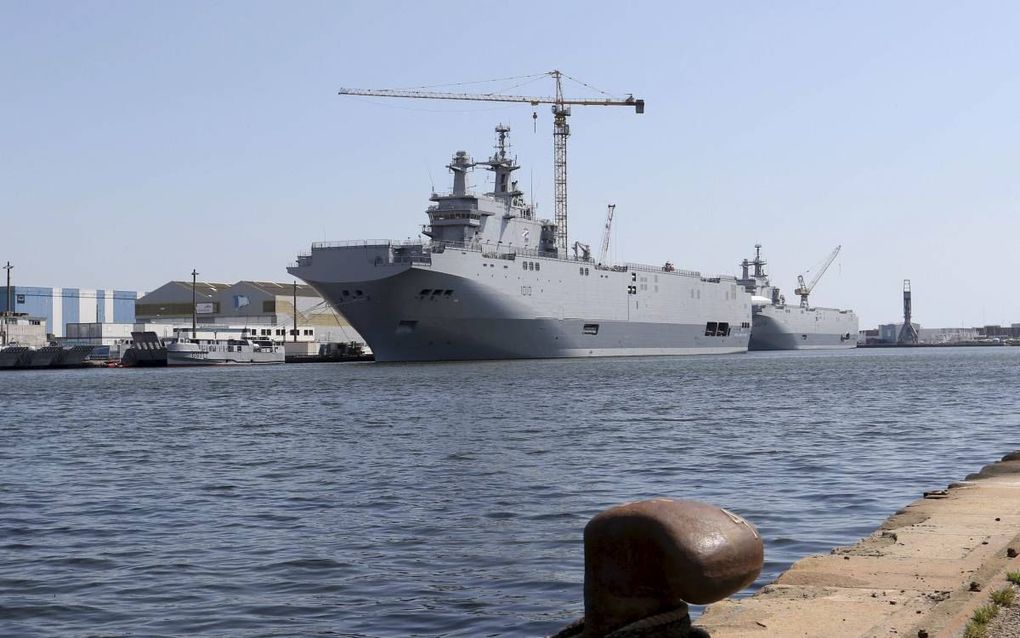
644	561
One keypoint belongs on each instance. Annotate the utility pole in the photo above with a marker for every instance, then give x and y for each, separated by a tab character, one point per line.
8	268
7	308
295	312
194	306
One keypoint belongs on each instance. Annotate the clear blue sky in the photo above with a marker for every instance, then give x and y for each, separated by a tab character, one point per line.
140	140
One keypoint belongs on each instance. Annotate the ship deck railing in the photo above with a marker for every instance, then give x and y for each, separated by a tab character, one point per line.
842	311
492	251
367	243
660	270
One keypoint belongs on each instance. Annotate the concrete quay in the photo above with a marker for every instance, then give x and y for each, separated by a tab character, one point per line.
922	573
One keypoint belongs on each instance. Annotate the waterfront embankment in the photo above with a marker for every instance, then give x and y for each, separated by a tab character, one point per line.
924	572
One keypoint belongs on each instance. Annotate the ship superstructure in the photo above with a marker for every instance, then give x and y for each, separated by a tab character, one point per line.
775	325
492	281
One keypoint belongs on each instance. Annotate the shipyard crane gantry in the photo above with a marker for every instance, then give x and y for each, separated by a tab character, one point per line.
561	110
803	290
908	334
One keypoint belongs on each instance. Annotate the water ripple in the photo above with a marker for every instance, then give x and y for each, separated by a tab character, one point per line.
427	500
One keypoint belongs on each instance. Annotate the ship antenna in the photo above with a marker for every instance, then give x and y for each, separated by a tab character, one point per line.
432	182
501	144
758	263
531	190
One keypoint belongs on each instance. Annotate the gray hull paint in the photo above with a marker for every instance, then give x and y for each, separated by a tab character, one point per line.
485	316
495	282
462	339
773	328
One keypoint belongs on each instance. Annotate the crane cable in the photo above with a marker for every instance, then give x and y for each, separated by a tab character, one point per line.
528	79
585	84
392	105
506	79
324	305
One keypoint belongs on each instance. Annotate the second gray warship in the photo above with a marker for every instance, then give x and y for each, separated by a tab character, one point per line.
778	326
494	282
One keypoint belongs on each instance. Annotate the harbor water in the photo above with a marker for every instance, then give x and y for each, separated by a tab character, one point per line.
446	499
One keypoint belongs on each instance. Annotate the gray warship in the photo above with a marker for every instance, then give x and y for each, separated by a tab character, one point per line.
775	325
491	281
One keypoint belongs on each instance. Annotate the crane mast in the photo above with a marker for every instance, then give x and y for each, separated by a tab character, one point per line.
561	129
805	290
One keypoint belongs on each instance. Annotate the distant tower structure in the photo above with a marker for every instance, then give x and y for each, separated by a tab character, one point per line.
907	332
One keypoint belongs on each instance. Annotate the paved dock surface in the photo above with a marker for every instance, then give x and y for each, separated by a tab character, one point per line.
922	573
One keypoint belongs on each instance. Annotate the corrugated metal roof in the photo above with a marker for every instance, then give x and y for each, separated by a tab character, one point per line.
181	290
276	288
203	287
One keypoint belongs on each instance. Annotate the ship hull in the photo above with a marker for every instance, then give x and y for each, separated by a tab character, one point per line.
786	328
177	359
461	305
439	339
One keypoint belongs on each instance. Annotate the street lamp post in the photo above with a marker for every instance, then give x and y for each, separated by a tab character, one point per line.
7	308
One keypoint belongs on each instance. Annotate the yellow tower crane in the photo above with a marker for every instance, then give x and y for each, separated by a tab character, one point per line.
561	110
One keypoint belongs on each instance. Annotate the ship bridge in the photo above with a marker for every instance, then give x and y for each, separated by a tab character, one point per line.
500	217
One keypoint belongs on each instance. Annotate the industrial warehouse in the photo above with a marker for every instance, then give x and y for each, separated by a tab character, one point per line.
62	306
106	322
269	307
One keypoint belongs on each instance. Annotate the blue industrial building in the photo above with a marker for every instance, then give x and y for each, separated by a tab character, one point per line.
61	306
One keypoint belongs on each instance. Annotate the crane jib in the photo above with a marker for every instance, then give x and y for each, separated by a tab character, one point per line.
638	104
560	129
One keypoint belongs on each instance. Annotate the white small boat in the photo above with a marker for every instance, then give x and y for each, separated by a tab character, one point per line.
191	352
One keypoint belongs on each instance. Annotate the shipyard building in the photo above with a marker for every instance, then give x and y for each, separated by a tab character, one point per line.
887	334
265	306
22	329
106	317
57	307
